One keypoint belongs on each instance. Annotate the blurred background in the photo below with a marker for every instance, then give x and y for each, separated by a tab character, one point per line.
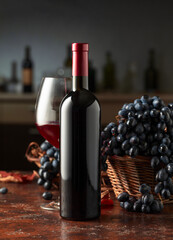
131	51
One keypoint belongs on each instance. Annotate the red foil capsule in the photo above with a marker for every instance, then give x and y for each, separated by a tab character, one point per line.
80	59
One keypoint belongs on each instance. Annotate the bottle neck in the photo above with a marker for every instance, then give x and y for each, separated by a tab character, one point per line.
80	67
27	53
79	82
13	72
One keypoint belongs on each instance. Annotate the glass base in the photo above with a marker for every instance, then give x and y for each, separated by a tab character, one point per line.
52	206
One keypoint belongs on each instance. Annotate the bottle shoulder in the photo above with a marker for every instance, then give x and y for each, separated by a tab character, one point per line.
81	98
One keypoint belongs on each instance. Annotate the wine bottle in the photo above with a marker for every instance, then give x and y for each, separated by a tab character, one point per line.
11	86
68	63
27	75
151	74
109	74
79	144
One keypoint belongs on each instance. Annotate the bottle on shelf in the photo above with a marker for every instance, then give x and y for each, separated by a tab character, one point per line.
13	86
27	71
79	144
151	74
92	77
109	74
130	79
68	63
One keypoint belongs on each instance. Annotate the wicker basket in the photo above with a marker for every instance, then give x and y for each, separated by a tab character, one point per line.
127	174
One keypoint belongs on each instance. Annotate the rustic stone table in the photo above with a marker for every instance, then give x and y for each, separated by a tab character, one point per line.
22	218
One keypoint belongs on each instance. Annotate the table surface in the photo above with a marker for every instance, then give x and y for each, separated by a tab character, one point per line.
22	218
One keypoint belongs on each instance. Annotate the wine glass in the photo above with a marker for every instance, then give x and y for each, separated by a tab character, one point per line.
50	94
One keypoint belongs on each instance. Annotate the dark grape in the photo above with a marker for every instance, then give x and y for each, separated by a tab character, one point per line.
132	199
40	172
155	207
166	141
47	195
50	152
122	128
147	127
162	175
138	106
156	103
163	148
142	136
122	204
145	208
155	162
45	145
48	185
144	189
131	114
113	143
40	181
161	126
56	154
123	197
134	140
131	122
165	193
46	175
47	165
133	152
137	101
137	206
104	166
3	190
154	113
148	199
158	188
125	145
158	136
120	138
139	128
128	205
154	150
169	168
145	98
123	113
168	183
44	159
55	164
164	159
117	151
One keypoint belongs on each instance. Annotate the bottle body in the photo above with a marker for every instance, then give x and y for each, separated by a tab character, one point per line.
79	153
27	73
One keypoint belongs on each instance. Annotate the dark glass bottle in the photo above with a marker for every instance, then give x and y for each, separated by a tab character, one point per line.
27	71
12	84
151	74
68	63
92	77
109	78
79	144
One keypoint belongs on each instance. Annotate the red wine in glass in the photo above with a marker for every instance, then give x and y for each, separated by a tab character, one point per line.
51	92
50	132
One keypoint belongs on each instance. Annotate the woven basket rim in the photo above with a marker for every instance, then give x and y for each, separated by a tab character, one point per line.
128	158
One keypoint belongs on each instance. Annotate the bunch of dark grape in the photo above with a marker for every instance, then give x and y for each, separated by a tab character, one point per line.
50	165
144	127
145	204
